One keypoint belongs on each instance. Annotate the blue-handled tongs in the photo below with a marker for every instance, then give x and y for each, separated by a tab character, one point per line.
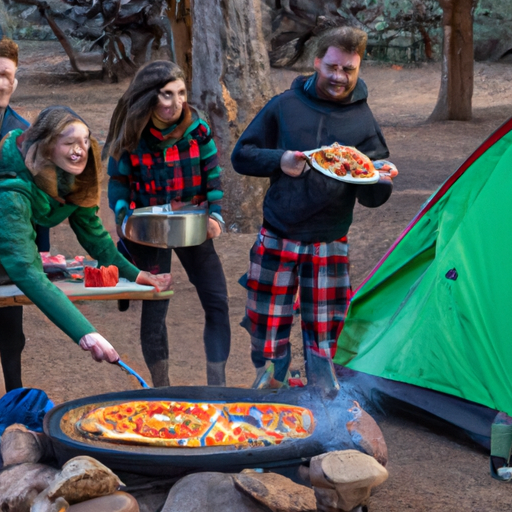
130	371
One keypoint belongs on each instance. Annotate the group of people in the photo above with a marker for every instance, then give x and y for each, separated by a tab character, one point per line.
161	150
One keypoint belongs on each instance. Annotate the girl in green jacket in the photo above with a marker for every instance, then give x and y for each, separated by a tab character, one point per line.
50	173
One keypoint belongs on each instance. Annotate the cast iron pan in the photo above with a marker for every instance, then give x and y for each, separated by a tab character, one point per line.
330	433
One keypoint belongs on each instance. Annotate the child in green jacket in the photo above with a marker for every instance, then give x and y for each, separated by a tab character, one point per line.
49	173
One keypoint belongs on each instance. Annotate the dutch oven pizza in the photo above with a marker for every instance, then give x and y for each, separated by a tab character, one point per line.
192	424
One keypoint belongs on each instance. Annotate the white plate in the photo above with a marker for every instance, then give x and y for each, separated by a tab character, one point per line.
379	164
346	179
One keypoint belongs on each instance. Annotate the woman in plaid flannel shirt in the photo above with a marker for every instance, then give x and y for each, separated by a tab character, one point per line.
162	152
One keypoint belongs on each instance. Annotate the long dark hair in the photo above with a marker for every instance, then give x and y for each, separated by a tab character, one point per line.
135	107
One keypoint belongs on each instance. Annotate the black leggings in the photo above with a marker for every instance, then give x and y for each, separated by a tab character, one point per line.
12	342
12	339
204	271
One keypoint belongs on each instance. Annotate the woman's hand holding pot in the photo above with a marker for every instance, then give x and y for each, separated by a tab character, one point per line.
213	229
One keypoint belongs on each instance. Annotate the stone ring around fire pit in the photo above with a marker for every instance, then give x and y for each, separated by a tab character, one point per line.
333	417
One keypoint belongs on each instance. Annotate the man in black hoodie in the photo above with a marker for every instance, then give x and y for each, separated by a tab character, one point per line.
306	215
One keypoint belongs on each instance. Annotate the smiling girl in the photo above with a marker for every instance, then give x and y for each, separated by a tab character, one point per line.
48	174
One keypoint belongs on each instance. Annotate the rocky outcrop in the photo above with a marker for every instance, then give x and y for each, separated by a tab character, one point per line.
20	485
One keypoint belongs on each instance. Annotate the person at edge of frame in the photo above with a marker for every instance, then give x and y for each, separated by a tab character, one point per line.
12	337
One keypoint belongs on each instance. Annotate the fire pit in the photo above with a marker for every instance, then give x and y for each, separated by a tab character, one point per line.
327	431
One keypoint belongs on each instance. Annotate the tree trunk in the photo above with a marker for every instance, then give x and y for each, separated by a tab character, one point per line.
456	91
230	83
178	13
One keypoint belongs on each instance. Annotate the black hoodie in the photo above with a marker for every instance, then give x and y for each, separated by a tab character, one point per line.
312	207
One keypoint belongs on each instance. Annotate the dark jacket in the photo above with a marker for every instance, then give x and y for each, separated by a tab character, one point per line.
12	121
312	207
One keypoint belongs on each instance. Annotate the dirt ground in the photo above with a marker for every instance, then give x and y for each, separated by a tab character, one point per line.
429	471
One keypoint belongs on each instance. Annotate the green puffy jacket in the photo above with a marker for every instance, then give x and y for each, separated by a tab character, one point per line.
21	204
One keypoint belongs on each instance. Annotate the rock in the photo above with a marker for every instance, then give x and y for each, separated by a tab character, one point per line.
149	501
344	479
43	504
209	491
327	500
276	492
20	445
367	435
117	502
83	478
303	474
20	484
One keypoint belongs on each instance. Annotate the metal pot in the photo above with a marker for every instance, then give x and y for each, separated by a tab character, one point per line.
160	226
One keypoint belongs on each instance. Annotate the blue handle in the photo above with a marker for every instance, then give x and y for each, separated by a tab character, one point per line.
126	368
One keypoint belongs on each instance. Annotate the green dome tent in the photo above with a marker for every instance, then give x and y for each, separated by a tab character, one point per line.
436	312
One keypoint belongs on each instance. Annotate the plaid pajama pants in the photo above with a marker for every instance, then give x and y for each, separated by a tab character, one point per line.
278	268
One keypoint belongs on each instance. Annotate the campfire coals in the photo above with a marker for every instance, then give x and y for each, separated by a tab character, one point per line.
180	424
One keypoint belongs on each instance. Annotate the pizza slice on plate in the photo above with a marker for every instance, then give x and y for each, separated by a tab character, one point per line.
344	161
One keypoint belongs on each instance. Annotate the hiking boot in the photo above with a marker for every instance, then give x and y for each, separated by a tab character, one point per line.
160	373
265	378
216	373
